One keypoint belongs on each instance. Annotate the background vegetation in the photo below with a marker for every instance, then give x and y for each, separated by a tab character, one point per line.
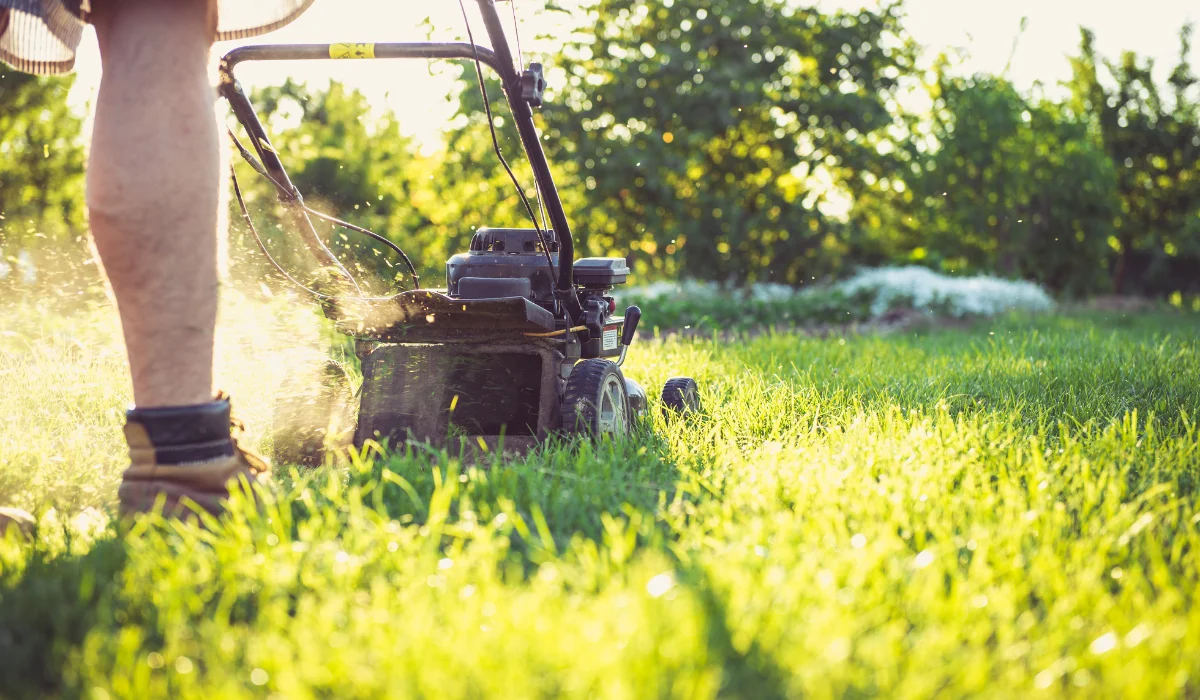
735	141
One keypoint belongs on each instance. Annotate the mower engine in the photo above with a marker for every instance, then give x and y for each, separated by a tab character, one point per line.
512	263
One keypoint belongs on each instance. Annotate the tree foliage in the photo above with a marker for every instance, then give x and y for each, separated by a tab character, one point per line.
41	158
1015	186
1153	141
727	140
698	128
41	183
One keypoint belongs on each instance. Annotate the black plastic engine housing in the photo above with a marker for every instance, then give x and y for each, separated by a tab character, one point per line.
512	254
600	273
508	262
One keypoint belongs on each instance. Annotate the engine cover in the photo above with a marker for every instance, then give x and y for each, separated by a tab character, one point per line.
504	253
600	273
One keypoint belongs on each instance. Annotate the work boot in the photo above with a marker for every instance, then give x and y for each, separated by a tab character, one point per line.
186	455
18	519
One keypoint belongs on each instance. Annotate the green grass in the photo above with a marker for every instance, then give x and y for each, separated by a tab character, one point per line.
1002	510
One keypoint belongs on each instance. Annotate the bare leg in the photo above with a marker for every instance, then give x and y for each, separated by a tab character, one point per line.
152	191
153	186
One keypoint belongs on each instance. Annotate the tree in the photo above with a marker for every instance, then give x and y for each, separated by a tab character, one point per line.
41	172
697	130
1154	143
1014	187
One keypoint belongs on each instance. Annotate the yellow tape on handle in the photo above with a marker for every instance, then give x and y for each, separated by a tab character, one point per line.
352	50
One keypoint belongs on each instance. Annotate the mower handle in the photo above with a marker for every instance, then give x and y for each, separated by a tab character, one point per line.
499	58
302	52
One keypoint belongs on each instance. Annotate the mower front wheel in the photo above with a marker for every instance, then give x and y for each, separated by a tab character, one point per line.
680	397
596	402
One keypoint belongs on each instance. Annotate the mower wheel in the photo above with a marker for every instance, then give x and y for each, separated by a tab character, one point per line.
314	413
596	402
680	396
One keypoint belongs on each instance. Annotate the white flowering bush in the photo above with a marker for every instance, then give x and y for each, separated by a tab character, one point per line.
921	288
770	291
868	295
656	291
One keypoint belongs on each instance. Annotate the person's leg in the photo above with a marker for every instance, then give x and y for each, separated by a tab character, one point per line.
152	191
153	194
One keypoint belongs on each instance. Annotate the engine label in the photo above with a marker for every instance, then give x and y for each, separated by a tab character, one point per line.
610	338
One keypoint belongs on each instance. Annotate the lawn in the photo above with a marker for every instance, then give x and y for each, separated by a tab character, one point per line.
1003	508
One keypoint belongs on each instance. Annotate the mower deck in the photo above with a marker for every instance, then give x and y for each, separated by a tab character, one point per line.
490	390
426	315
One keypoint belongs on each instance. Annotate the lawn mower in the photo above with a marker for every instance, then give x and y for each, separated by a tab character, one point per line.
524	341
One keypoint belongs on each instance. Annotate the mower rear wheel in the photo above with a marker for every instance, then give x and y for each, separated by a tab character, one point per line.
596	402
680	396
